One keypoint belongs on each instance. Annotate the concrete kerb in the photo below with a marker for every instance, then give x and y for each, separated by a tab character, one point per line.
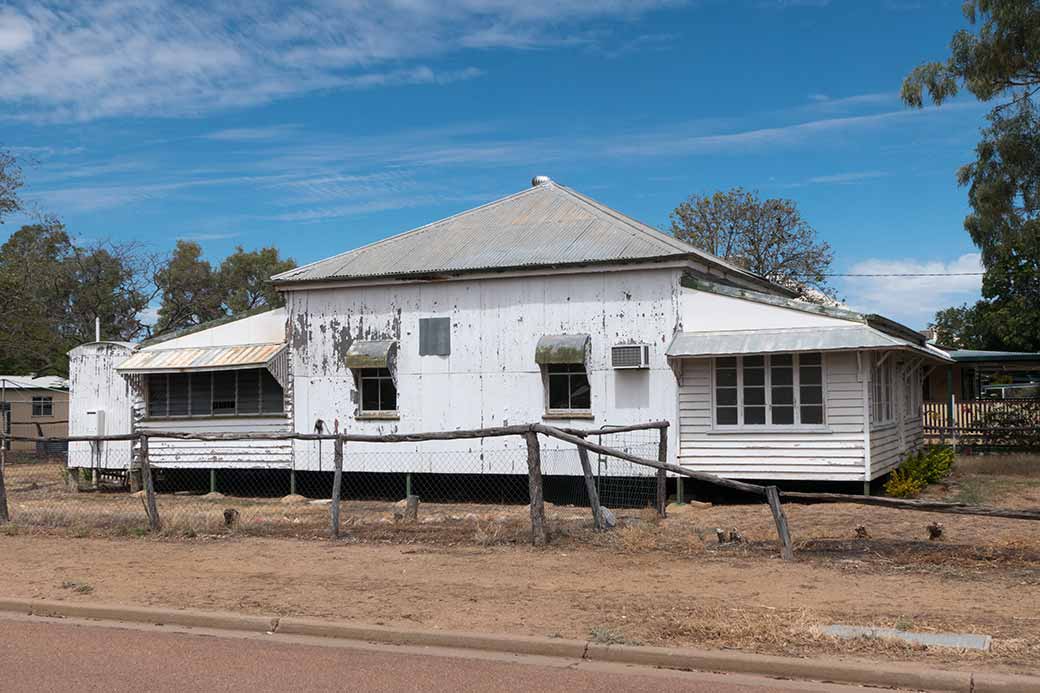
892	675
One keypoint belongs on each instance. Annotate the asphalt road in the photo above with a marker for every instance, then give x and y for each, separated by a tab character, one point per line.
46	655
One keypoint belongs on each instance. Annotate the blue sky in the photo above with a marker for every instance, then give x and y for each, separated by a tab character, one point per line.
321	125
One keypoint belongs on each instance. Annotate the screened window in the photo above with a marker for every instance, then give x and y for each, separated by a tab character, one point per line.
882	376
774	390
378	391
569	388
43	406
221	393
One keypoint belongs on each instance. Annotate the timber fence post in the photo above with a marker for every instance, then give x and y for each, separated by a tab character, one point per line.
590	487
662	475
5	515
534	480
337	485
773	497
150	506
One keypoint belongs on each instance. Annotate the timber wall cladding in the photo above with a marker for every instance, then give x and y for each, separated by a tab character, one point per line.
490	377
834	455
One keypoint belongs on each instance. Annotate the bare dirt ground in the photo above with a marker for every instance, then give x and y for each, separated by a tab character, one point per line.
468	567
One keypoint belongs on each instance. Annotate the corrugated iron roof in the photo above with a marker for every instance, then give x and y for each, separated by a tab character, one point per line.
728	343
31	382
548	224
214	358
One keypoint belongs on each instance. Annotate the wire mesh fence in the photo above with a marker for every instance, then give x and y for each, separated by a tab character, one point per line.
470	491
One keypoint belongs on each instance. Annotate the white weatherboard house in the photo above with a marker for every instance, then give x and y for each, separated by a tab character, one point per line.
543	305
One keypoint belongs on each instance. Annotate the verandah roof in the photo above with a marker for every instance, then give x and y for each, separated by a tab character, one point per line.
733	342
213	358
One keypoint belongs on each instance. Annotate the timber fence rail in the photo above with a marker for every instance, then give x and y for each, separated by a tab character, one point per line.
586	441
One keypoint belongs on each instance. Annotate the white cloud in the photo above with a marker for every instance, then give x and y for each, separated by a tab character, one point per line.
913	300
15	32
97	58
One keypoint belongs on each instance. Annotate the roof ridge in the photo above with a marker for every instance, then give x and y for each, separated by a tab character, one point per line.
399	236
650	232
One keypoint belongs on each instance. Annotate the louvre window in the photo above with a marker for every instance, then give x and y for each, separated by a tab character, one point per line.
222	393
773	390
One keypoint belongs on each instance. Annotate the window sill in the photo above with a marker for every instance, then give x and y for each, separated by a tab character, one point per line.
558	415
723	430
378	416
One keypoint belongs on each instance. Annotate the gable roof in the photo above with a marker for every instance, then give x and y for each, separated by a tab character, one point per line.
545	225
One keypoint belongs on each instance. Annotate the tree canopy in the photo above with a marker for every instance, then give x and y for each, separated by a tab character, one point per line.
193	292
10	182
51	291
1000	61
768	237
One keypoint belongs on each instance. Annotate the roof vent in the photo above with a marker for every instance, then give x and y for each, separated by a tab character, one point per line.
540	180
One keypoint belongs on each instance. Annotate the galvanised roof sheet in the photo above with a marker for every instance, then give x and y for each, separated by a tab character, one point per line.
547	224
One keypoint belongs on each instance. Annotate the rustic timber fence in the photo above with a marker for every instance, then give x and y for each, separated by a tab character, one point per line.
580	438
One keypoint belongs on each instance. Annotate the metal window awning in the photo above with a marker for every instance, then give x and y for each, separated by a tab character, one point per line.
371	354
852	337
562	348
197	359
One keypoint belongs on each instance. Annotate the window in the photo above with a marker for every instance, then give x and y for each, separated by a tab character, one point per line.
882	378
245	392
912	393
434	336
378	391
43	406
774	390
568	387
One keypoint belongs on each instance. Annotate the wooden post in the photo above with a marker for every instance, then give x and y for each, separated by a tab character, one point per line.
773	496
411	509
337	485
679	490
534	480
5	516
150	507
212	480
590	487
662	475
407	484
292	482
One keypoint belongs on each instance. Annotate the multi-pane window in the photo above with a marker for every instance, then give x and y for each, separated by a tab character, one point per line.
220	393
43	406
569	388
912	393
378	391
773	390
882	376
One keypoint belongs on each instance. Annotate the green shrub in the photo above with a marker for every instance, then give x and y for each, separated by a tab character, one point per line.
920	468
903	485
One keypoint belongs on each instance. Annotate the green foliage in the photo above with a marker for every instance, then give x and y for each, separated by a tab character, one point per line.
10	182
194	293
903	485
51	291
1001	60
767	237
920	468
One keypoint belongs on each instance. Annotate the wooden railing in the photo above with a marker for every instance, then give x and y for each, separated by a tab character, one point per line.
983	422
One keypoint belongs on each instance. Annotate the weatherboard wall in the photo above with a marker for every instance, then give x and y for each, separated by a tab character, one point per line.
834	454
95	385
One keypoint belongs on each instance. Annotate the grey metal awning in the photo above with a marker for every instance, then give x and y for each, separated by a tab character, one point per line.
852	337
561	348
371	354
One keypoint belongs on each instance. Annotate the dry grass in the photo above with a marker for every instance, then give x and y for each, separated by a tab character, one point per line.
1024	465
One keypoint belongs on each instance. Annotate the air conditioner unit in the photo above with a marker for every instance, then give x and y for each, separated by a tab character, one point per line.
630	356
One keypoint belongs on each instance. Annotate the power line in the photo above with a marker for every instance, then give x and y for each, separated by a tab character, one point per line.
907	274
